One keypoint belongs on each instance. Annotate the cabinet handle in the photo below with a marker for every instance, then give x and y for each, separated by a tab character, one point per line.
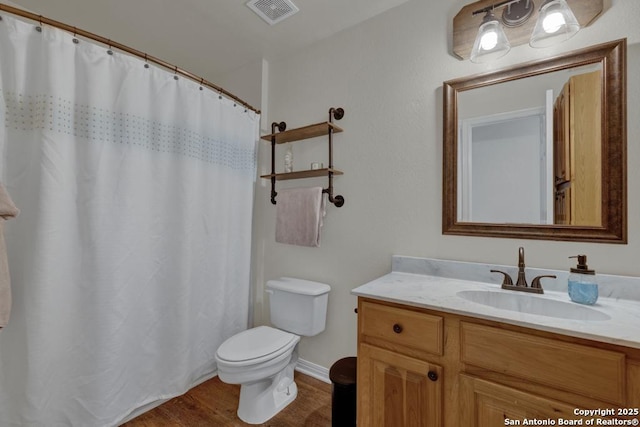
397	328
433	376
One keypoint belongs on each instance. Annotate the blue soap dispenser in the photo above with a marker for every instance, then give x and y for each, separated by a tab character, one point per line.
583	287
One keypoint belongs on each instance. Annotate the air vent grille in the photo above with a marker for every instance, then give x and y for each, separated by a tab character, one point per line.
272	11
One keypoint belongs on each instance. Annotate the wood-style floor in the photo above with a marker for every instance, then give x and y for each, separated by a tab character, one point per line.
214	403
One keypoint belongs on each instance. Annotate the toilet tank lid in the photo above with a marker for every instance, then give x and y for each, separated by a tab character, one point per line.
298	286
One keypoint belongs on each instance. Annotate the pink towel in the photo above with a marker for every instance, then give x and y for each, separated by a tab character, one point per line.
299	214
7	210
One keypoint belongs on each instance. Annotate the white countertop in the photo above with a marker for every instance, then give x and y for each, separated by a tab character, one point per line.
440	293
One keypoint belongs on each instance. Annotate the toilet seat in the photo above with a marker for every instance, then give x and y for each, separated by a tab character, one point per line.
255	345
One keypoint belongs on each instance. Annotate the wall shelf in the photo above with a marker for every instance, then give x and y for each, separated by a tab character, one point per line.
311	173
298	134
279	135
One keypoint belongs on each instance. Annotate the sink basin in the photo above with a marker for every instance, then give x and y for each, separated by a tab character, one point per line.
531	304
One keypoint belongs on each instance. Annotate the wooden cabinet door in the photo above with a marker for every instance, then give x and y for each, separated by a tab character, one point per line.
487	404
577	142
397	390
586	148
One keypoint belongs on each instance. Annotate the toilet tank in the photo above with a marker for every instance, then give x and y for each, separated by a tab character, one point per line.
298	306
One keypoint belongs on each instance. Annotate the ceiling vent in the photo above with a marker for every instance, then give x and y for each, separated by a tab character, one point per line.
273	11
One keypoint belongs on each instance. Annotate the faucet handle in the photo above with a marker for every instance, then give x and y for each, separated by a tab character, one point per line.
536	281
507	279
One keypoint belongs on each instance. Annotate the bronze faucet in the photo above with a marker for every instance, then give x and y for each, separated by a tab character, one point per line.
521	282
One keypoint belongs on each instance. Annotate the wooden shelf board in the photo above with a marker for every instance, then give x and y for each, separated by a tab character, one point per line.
311	173
306	132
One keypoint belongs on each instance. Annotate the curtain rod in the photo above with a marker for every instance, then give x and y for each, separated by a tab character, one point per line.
124	48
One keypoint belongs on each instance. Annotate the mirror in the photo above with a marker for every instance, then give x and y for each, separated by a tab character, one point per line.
538	150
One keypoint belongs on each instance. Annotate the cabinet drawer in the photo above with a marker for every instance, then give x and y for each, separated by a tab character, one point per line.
576	368
402	327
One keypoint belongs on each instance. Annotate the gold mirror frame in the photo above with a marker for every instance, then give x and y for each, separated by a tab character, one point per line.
612	56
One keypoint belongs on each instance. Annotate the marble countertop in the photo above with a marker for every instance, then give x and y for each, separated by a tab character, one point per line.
436	292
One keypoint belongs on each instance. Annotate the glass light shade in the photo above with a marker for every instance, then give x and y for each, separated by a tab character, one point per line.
556	23
491	42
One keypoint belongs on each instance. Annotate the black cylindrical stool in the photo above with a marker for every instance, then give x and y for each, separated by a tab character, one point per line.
343	392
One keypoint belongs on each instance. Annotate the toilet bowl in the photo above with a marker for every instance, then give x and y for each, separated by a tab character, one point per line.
263	359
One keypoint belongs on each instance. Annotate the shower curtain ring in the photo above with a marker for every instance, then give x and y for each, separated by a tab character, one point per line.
39	27
75	39
146	64
109	51
175	76
201	83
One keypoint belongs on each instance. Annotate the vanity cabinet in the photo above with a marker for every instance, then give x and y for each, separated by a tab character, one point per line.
428	368
577	150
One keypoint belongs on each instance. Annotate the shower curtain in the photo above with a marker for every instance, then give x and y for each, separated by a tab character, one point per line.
130	259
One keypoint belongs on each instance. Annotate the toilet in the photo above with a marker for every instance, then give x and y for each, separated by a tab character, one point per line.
262	359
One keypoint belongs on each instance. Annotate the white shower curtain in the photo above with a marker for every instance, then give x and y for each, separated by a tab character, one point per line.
130	259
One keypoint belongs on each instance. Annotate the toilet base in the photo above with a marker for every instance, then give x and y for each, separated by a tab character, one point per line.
266	387
260	401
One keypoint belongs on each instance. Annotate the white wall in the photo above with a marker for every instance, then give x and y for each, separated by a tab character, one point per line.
387	75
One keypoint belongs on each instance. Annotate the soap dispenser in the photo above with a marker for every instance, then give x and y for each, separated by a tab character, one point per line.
583	287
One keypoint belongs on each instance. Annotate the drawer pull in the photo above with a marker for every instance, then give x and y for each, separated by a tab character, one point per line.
397	328
433	376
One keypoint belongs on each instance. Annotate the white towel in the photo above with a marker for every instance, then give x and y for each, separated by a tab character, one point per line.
7	210
299	215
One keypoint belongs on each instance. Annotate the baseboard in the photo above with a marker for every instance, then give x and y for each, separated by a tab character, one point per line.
316	371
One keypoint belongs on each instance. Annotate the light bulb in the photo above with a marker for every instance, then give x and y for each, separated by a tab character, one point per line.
489	40
553	22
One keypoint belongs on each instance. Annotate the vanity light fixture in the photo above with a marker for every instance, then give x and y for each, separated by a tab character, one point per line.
555	23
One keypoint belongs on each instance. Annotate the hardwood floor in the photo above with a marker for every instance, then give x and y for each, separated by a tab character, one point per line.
214	403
